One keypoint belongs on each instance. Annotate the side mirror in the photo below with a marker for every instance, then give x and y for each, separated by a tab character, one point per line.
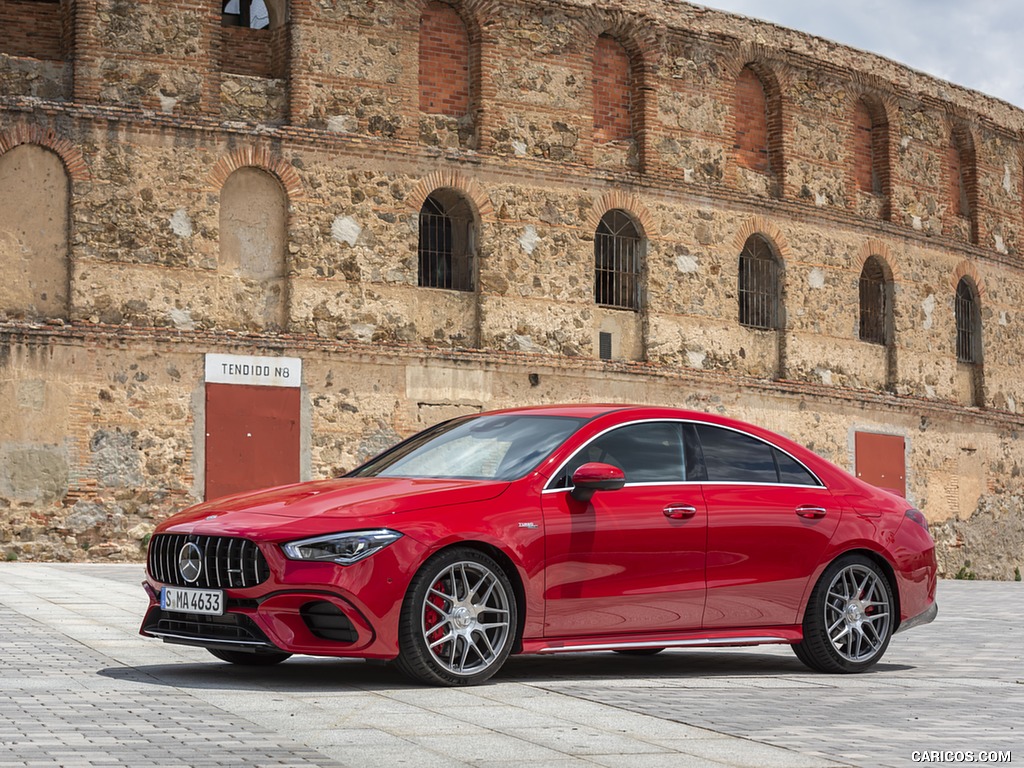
595	476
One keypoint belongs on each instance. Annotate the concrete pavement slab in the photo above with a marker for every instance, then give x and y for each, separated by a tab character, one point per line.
80	687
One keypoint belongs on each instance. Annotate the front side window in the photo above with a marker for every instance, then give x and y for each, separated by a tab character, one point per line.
496	447
646	453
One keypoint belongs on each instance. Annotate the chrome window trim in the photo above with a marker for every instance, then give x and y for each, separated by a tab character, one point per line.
602	433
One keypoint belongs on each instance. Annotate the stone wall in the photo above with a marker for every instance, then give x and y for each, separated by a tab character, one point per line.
197	208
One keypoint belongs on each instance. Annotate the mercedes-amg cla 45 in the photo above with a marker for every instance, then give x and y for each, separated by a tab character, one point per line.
549	530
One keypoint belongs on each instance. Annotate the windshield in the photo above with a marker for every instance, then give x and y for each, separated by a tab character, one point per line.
498	447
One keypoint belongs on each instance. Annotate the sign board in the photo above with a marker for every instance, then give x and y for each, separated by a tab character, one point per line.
254	371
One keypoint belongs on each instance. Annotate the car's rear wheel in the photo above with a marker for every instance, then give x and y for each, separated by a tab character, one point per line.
849	618
247	659
458	620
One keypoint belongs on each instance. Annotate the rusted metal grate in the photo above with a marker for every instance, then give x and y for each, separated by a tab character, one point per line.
617	251
967	323
444	249
758	285
873	303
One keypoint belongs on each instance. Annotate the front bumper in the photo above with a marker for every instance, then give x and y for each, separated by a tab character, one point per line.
314	608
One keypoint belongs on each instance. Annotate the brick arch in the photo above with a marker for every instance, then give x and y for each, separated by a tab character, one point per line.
470	188
758	225
968	269
474	13
70	155
962	151
760	58
622	201
638	38
262	158
881	251
882	110
774	77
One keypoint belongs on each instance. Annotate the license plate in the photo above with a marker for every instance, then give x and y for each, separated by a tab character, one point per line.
205	601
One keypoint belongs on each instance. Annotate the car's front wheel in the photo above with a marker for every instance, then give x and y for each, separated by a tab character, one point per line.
247	659
458	620
849	618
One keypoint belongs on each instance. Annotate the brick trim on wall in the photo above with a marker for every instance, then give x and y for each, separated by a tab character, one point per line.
881	251
968	269
473	191
69	153
758	225
623	201
260	157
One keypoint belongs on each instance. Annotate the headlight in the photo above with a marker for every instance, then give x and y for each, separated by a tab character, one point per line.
342	548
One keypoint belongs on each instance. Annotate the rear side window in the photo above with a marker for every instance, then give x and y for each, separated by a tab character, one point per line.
792	471
651	452
732	457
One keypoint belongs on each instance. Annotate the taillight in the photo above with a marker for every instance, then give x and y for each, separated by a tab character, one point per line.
917	517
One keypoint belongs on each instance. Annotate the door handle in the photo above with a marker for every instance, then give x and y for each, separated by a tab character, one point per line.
680	511
811	512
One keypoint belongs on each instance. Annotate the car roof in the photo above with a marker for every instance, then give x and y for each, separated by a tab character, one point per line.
625	410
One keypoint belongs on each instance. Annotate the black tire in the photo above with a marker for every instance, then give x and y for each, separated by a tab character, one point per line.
247	659
458	621
849	619
639	651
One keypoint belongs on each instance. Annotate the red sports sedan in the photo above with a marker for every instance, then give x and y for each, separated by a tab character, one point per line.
549	530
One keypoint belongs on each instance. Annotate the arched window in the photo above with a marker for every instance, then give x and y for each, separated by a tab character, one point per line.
751	118
875	303
35	190
613	91
758	284
968	323
253	242
446	242
444	71
617	254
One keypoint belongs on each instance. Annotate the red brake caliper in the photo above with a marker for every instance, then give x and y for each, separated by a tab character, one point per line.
431	618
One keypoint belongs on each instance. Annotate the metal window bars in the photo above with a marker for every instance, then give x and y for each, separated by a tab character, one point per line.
445	247
758	285
967	325
617	252
873	303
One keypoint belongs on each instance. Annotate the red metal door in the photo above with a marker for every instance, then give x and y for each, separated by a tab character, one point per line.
252	437
881	460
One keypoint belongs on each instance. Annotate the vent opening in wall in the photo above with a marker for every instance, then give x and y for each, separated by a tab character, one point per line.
604	345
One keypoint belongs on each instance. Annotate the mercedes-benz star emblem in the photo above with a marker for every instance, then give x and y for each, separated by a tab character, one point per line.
190	562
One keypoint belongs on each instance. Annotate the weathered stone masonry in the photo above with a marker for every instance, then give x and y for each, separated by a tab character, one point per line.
171	187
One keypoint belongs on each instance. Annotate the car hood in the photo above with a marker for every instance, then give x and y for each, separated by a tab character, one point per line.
327	504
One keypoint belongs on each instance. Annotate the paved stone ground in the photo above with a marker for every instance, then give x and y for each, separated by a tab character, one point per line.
79	687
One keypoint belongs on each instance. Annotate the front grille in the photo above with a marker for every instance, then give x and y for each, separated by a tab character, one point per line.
227	562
